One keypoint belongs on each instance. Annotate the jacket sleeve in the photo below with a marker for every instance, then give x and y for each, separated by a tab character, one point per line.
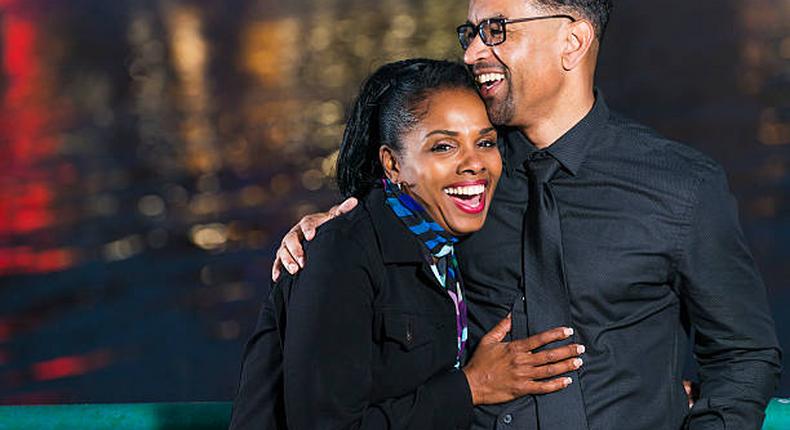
259	400
735	342
328	352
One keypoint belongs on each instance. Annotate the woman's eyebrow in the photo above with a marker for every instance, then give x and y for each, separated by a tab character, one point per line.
486	130
445	132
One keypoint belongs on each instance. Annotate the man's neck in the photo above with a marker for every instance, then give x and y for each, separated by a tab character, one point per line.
562	117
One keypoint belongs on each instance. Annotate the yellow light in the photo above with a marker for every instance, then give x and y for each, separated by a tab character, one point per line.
209	236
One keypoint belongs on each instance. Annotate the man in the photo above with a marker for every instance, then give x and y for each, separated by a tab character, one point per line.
602	225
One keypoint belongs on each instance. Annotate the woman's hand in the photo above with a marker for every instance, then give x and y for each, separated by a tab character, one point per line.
502	371
290	255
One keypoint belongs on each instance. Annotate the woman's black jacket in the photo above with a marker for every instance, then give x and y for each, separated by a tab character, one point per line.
364	337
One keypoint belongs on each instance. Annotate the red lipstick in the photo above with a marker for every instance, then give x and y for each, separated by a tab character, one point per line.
469	203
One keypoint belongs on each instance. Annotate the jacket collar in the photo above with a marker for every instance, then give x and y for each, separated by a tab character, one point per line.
396	242
570	149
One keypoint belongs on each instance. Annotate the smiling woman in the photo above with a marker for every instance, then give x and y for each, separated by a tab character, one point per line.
449	161
372	333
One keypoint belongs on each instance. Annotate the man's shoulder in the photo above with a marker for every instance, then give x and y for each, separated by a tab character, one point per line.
653	150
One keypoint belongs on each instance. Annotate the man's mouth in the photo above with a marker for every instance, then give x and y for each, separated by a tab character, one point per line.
489	82
468	197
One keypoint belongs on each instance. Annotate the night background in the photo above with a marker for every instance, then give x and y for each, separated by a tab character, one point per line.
153	153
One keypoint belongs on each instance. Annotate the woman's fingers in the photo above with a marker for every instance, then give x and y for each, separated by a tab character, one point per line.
498	333
555	354
501	371
555	369
543	338
550	386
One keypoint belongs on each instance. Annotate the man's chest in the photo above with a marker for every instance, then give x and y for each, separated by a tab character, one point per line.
618	242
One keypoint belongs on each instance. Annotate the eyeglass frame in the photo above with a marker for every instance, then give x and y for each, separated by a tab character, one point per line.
478	29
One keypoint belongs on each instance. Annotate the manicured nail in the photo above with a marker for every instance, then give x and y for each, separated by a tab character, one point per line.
292	268
568	381
578	363
568	331
580	349
301	261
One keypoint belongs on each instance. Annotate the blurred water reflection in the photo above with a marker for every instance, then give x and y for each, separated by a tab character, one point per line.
152	151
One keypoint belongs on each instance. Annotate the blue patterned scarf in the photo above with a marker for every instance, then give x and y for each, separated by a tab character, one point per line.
440	246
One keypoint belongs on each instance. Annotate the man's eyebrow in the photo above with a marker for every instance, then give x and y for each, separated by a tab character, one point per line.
445	132
499	15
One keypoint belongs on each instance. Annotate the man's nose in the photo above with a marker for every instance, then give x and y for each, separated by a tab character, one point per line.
476	51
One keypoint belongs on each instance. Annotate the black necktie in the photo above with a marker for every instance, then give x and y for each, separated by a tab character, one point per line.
545	291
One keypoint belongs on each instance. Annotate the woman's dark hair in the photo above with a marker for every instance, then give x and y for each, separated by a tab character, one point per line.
389	104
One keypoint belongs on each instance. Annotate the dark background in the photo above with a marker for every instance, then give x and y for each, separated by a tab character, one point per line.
152	153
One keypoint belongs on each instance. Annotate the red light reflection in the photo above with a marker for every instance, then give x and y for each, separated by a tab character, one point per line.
75	365
26	111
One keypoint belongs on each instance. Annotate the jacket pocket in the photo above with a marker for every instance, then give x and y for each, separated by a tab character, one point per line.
407	330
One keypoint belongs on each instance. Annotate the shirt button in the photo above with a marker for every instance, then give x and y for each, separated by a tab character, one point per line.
507	419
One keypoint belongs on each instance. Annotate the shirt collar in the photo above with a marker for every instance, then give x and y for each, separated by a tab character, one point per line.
570	149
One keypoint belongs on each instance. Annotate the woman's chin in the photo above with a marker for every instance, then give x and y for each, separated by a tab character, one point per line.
463	227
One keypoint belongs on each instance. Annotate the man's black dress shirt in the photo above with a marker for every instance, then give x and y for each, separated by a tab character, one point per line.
652	249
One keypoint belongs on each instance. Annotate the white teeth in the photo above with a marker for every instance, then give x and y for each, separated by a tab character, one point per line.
489	77
471	190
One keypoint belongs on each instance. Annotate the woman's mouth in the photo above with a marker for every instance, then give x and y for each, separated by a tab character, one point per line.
468	197
489	82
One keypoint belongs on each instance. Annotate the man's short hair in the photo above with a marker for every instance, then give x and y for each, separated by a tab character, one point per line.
596	11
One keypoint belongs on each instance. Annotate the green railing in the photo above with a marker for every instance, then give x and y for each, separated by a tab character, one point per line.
196	416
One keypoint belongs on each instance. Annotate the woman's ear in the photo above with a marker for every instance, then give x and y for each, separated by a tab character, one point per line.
389	162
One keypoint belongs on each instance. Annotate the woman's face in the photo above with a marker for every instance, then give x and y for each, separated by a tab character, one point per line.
449	161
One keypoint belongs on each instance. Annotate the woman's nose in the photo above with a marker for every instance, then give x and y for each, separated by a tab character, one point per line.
471	163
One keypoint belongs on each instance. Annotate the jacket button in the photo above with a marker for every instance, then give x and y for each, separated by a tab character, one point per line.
507	419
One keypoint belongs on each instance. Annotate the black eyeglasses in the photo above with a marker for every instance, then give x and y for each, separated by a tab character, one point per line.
493	31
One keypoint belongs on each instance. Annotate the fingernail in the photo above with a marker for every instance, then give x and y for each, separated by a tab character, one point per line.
580	349
568	381
568	331
578	362
292	268
301	261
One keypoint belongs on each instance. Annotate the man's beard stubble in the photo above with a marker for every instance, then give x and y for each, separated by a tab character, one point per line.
501	113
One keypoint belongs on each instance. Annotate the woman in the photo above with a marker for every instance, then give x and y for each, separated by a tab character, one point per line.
372	333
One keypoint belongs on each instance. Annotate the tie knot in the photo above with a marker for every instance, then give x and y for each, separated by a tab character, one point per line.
541	166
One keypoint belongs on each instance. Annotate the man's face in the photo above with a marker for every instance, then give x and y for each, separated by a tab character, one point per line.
519	78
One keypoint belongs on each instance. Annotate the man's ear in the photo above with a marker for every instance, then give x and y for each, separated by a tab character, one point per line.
390	163
578	43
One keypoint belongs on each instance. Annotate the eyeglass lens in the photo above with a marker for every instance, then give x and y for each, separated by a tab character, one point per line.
492	32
